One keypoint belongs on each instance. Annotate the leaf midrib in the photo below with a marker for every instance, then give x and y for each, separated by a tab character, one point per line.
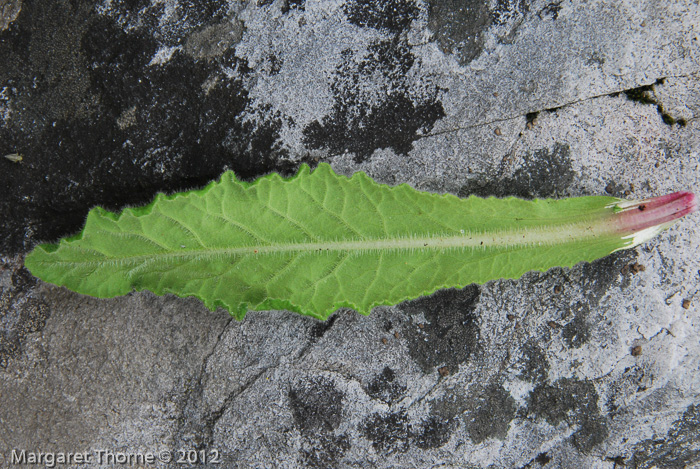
476	241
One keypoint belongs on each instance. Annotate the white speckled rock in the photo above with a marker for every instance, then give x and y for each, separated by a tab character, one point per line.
594	366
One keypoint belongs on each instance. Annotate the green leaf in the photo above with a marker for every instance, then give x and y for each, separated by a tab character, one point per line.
320	241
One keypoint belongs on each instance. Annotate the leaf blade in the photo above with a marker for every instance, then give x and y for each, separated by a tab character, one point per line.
319	241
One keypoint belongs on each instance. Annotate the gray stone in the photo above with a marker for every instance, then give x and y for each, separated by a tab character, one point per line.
594	366
9	9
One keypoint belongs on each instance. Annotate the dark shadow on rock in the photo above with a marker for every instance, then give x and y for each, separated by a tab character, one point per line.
487	411
543	173
20	313
103	127
572	401
451	334
393	16
511	14
577	331
490	414
385	388
320	328
394	433
317	405
317	408
596	279
191	15
324	451
533	364
288	5
459	26
376	106
388	433
677	450
434	432
505	9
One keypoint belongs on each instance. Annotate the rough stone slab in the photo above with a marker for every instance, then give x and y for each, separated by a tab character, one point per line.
594	366
9	9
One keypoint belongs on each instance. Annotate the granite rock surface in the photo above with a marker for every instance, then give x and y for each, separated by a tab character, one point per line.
111	101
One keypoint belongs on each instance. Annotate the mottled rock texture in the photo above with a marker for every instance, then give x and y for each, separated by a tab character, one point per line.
112	101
